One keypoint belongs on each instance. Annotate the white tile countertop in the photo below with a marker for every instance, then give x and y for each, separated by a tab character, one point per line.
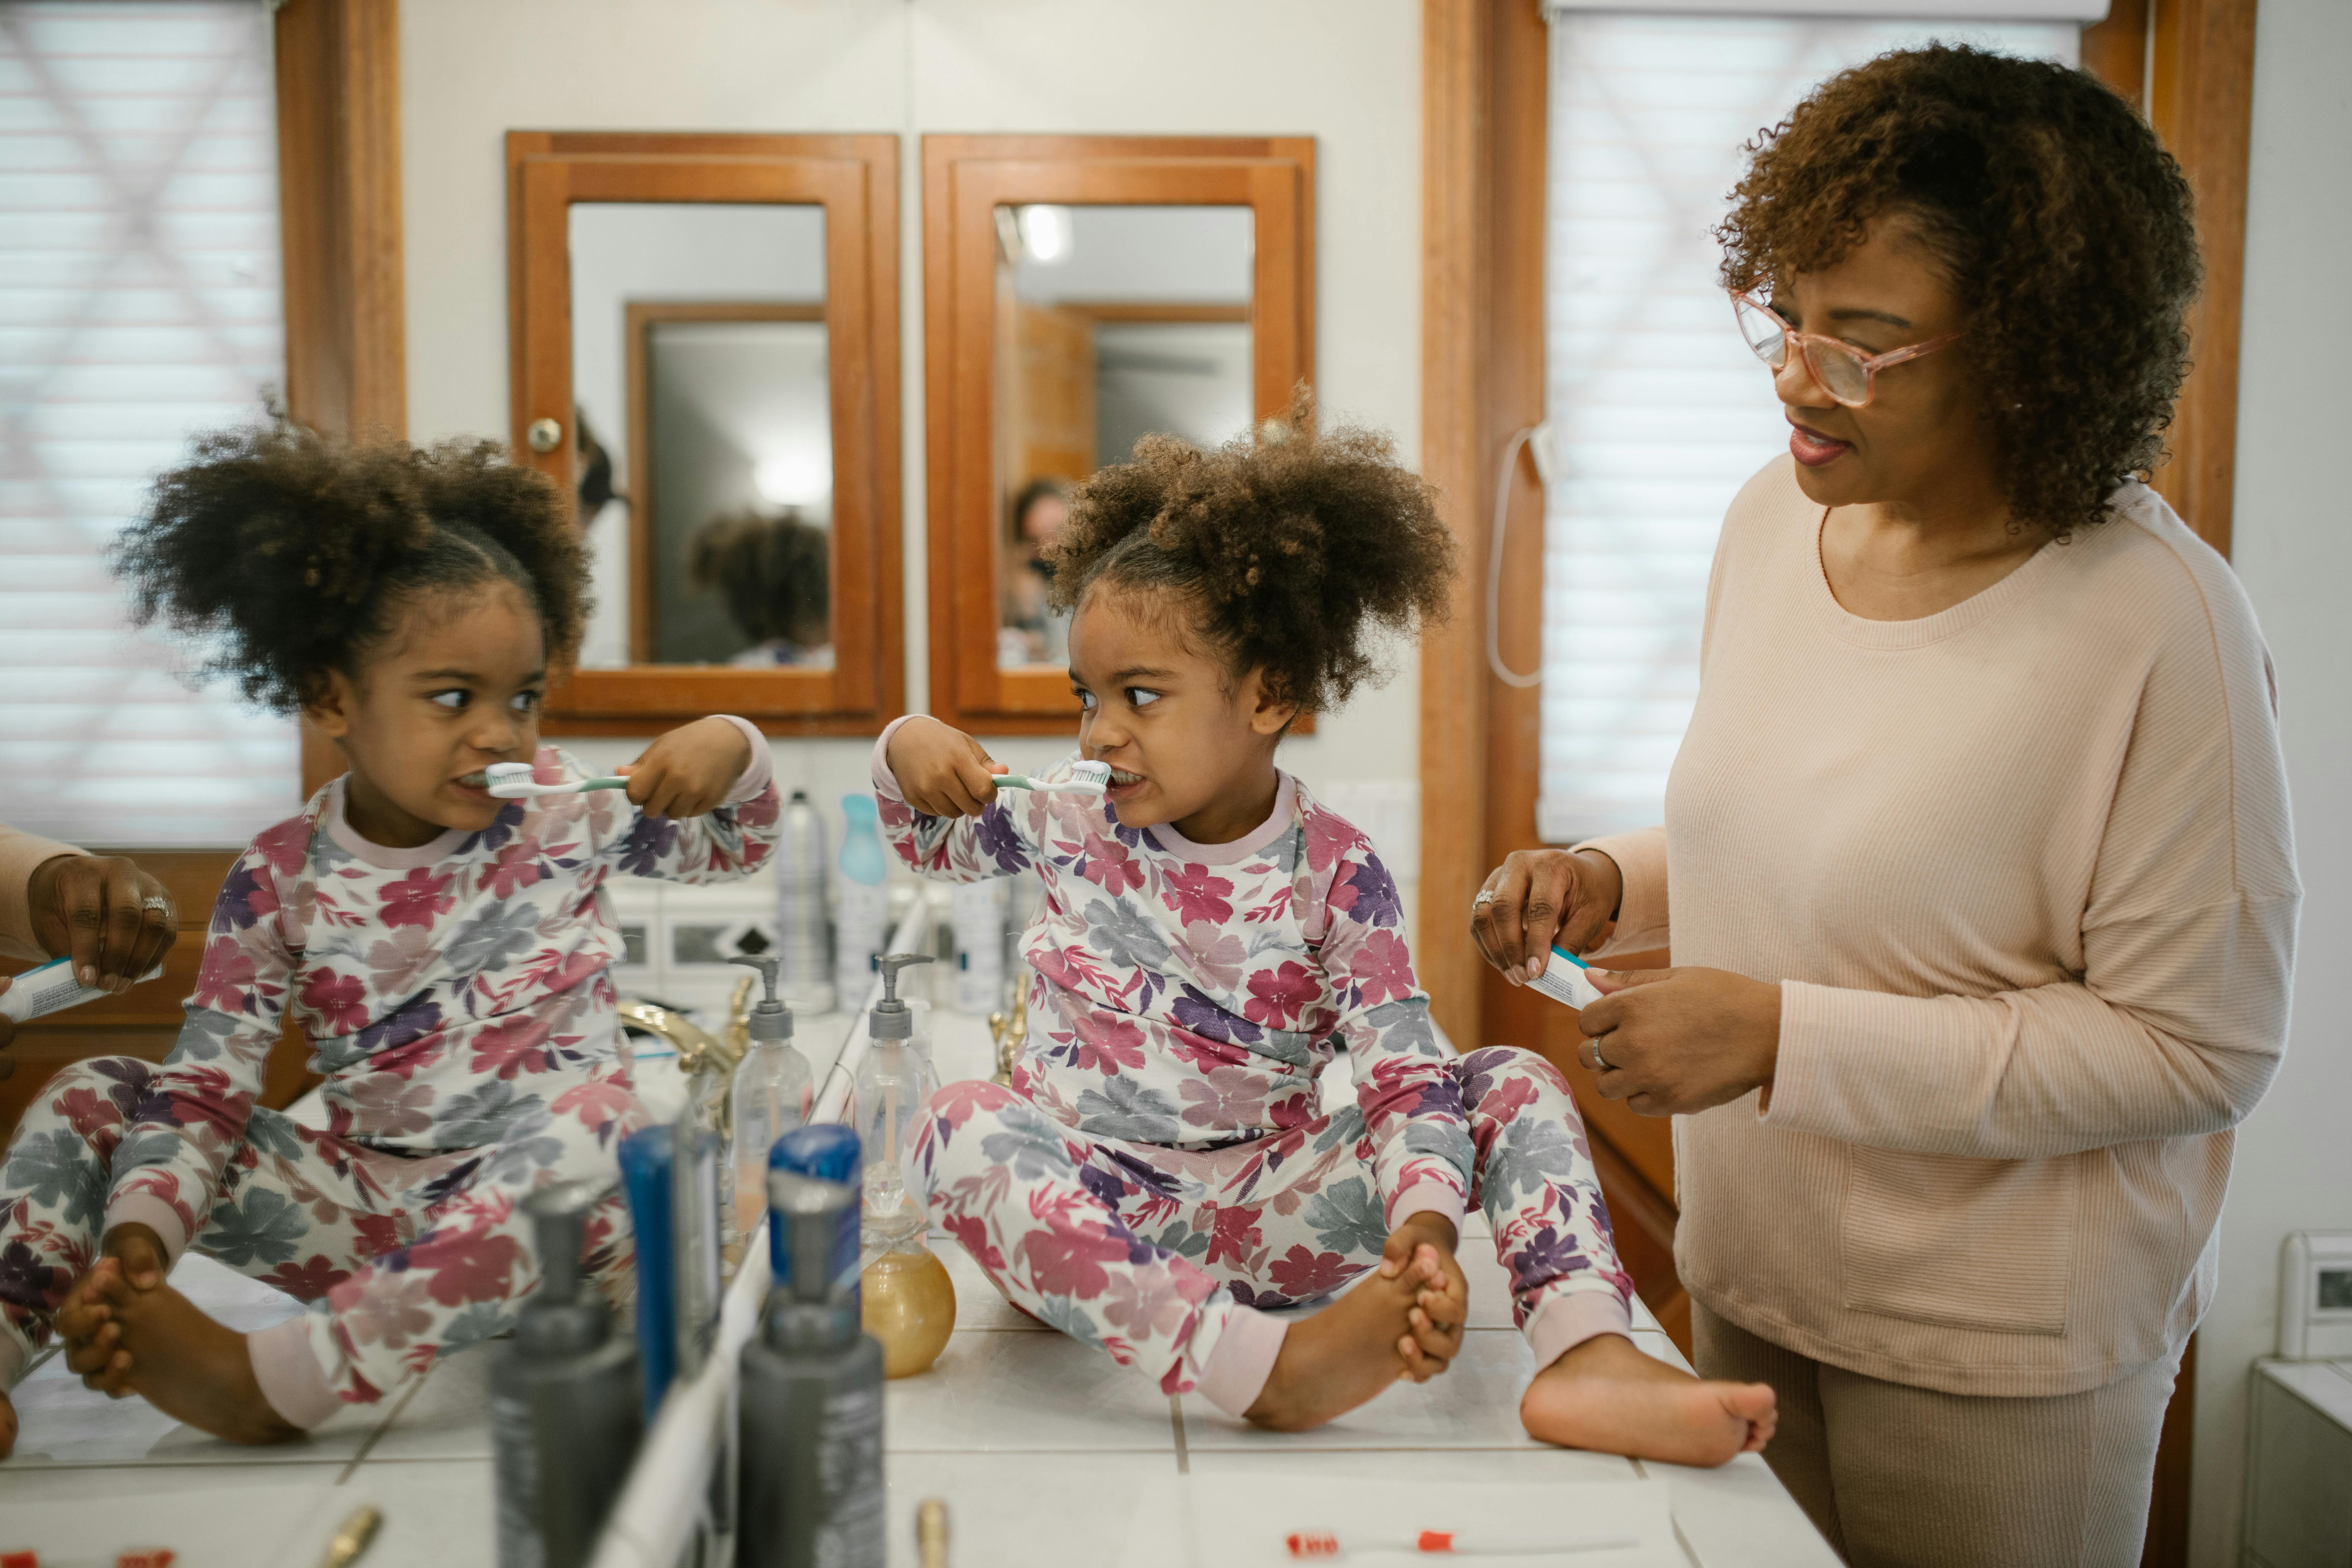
1042	1451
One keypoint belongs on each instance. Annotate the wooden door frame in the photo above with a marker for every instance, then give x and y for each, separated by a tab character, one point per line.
2190	65
338	201
965	178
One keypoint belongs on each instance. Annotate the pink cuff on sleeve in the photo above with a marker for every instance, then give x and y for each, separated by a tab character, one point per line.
288	1373
1242	1360
147	1209
1427	1197
884	779
1567	1320
753	782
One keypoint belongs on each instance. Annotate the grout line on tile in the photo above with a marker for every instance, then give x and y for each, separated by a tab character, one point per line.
1176	1419
381	1428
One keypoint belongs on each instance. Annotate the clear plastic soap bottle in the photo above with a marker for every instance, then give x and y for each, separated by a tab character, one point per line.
909	1302
772	1089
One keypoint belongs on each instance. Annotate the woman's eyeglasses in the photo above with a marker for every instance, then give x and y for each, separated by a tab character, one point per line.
1844	372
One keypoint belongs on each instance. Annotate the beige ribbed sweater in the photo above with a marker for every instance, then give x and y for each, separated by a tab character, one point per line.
2025	870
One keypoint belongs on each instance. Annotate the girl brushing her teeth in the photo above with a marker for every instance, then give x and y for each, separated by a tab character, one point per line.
446	952
1159	1177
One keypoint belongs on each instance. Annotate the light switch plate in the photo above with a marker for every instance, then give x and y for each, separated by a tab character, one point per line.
2315	1296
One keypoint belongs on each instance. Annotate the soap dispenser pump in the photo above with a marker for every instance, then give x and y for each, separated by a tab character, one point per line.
810	1409
772	1094
565	1408
909	1302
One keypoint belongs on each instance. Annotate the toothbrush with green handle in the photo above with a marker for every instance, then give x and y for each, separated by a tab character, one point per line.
1086	778
513	781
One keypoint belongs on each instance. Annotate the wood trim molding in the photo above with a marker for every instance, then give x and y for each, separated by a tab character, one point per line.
965	179
855	179
2200	96
1483	64
338	64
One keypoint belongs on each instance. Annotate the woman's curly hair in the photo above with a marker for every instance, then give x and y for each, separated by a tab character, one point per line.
2062	224
1287	549
296	555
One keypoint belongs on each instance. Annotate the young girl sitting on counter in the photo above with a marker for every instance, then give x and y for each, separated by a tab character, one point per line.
446	951
1158	1177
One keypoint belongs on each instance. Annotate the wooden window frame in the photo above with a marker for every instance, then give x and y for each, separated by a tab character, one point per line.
638	318
2188	63
854	178
965	179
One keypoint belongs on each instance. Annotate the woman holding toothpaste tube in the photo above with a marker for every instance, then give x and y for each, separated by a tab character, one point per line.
1976	867
113	920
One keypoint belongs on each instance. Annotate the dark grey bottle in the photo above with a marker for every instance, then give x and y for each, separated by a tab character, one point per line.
566	1409
811	1402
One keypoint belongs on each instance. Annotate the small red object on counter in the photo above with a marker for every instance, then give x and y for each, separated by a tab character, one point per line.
20	1560
155	1557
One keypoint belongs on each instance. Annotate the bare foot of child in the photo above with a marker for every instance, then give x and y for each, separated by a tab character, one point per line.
1344	1354
1607	1396
187	1365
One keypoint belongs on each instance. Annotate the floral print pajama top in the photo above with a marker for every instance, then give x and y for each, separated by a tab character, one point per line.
457	997
1160	1168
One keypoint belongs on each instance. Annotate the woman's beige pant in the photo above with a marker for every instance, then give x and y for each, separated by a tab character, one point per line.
1899	1477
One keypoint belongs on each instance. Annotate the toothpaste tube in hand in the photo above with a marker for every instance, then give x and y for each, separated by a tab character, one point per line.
1563	980
51	988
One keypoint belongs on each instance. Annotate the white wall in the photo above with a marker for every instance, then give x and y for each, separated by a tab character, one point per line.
2293	548
1349	76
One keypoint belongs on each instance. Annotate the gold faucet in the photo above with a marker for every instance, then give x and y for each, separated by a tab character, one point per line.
697	1049
1009	1034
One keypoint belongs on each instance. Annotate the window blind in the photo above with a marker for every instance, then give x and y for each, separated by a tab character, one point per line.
139	302
1658	412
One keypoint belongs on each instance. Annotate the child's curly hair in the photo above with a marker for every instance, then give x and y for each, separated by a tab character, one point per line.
1288	547
298	553
2059	218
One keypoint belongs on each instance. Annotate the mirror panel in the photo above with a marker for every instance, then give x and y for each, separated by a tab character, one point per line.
1080	292
706	351
1117	322
699	364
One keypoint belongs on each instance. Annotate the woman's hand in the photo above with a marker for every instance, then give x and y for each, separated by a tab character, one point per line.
114	920
941	771
1541	897
1671	1041
688	771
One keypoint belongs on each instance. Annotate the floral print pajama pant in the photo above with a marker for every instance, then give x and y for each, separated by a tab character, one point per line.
403	1256
1145	1251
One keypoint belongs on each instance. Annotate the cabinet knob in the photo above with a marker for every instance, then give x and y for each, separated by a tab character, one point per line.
544	435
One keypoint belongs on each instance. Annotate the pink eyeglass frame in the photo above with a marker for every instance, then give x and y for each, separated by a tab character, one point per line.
1871	363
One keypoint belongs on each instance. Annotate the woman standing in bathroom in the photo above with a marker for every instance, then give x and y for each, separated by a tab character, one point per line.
1976	864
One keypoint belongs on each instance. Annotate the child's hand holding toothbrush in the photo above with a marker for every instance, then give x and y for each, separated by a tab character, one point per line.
941	771
689	771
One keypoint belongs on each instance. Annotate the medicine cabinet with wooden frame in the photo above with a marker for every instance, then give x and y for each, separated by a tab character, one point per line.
704	332
1027	392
